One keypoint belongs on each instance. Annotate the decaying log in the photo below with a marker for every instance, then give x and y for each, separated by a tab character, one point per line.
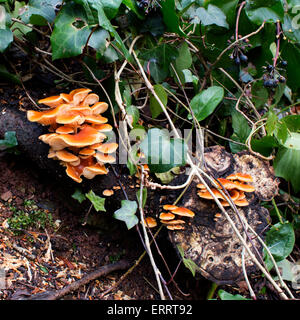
209	242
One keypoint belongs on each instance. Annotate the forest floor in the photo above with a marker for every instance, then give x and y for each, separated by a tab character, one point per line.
58	249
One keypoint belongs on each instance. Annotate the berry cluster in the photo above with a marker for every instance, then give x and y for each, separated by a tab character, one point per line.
238	54
147	5
272	76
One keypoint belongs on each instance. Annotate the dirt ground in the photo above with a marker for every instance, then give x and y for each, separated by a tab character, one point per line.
63	250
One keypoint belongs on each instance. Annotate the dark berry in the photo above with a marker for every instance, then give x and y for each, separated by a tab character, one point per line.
243	58
284	63
270	67
269	83
237	61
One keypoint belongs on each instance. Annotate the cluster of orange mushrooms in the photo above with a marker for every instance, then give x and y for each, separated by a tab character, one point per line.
77	128
169	218
236	184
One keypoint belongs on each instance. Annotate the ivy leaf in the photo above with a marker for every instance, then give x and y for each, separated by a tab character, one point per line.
6	75
189	264
71	31
154	25
127	213
98	40
280	240
205	102
38	12
264	10
134	113
211	15
97	201
78	195
287	161
155	107
171	19
6	37
162	152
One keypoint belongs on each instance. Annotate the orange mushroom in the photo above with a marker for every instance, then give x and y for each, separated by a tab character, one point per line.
175	227
150	222
169	207
52	102
184	212
166	216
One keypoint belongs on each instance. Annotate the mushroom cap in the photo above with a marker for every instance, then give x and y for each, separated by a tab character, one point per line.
91	171
90	99
99	107
66	156
206	195
166	216
227	184
73	173
169	207
108	147
201	186
47	117
181	211
104	158
150	222
87	136
108	192
104	127
75	163
87	152
176	221
78	95
218	215
175	227
52	101
244	187
225	203
96	119
64	130
241	203
70	118
244	177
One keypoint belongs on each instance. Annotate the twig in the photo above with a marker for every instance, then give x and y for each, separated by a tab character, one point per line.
102	271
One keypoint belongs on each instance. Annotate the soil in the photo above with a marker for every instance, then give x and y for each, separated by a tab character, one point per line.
66	250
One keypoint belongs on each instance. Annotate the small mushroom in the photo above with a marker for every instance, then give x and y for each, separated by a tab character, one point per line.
243	177
91	171
241	203
227	184
87	151
150	222
177	221
175	227
169	207
206	195
184	212
108	147
166	216
96	119
104	127
244	187
99	107
52	102
104	158
108	192
66	156
64	130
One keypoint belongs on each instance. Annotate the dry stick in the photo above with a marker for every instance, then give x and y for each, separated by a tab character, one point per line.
102	271
147	243
254	259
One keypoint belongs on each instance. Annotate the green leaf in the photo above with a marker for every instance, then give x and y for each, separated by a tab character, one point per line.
260	94
9	141
133	6
170	17
6	37
155	107
71	32
211	15
280	240
162	152
287	161
38	12
265	145
205	102
292	122
189	264
97	201
78	195
134	112
228	296
98	40
264	10
127	213
154	25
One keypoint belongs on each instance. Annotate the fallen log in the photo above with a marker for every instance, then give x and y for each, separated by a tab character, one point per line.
209	242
